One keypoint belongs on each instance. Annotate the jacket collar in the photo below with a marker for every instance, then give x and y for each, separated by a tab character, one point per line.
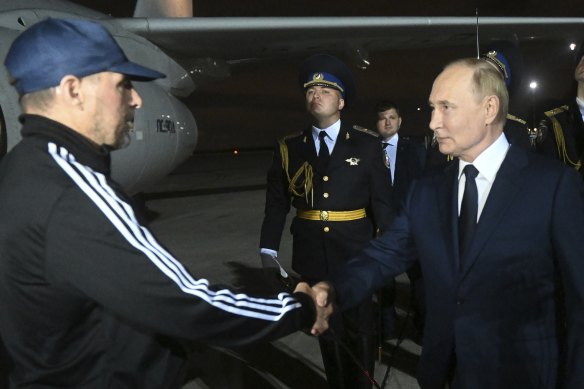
85	151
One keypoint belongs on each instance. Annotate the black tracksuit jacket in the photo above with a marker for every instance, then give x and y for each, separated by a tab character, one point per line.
88	297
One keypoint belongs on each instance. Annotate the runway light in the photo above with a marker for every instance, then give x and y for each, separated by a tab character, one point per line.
235	152
572	46
533	84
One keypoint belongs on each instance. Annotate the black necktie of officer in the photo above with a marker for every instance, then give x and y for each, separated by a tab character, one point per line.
323	155
467	220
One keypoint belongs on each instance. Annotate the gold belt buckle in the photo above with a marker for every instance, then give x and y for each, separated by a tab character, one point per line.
324	216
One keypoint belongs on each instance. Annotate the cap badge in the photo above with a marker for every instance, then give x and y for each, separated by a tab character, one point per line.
493	56
317	76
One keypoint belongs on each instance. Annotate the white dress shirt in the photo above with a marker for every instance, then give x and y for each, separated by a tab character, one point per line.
332	133
391	149
488	164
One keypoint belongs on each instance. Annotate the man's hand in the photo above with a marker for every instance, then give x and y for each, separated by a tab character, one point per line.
321	295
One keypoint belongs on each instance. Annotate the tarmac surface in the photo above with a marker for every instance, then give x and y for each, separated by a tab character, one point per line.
209	213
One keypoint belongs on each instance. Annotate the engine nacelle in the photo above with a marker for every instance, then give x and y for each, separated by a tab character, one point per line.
165	131
164	135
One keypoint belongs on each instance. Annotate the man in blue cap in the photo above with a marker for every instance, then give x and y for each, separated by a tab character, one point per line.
89	298
562	129
335	177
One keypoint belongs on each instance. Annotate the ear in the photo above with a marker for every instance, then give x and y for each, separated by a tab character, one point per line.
491	107
399	121
69	91
341	104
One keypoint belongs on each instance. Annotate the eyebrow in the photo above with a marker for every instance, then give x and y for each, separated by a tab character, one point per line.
441	102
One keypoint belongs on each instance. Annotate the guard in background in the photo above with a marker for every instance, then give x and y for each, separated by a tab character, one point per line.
335	177
562	130
405	161
507	59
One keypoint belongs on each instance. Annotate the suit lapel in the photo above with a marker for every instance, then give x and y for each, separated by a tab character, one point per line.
504	189
401	154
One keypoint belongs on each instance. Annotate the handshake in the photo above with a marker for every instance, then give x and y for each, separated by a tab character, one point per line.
320	293
322	296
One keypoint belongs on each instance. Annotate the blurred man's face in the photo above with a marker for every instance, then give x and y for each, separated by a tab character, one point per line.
324	103
111	105
579	72
458	115
388	123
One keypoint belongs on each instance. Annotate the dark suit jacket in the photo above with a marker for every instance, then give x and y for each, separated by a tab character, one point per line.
498	318
355	178
409	164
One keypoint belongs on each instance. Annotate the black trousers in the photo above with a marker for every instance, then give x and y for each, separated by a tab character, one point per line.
348	348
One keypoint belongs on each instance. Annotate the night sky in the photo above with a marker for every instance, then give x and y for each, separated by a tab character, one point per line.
261	102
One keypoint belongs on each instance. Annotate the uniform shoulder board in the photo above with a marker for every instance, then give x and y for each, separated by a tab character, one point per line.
516	119
290	136
366	131
556	111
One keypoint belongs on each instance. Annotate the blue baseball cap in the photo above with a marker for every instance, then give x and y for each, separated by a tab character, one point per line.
42	55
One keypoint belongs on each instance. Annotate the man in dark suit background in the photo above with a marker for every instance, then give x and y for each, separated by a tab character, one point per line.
335	177
500	246
405	161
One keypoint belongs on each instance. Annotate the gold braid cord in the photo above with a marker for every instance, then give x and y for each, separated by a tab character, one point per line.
295	188
560	140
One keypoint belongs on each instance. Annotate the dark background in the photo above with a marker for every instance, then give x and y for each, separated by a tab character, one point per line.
261	101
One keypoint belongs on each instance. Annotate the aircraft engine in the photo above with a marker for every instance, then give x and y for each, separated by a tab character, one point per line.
165	131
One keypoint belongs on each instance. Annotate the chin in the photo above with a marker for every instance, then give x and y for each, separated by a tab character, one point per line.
444	149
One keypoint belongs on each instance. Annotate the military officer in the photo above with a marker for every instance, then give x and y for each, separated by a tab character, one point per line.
562	129
335	177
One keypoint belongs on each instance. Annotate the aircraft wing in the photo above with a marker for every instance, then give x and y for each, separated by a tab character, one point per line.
233	39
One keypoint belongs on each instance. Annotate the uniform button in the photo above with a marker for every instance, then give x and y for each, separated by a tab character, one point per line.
325	178
325	195
326	229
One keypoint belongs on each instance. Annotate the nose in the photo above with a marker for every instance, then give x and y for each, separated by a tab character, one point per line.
435	120
136	100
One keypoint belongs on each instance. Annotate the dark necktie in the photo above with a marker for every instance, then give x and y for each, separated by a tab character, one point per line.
467	220
323	154
386	159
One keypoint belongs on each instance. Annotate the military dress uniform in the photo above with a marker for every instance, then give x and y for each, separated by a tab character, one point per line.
337	211
562	135
341	196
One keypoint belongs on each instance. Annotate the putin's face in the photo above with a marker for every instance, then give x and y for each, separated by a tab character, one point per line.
458	114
